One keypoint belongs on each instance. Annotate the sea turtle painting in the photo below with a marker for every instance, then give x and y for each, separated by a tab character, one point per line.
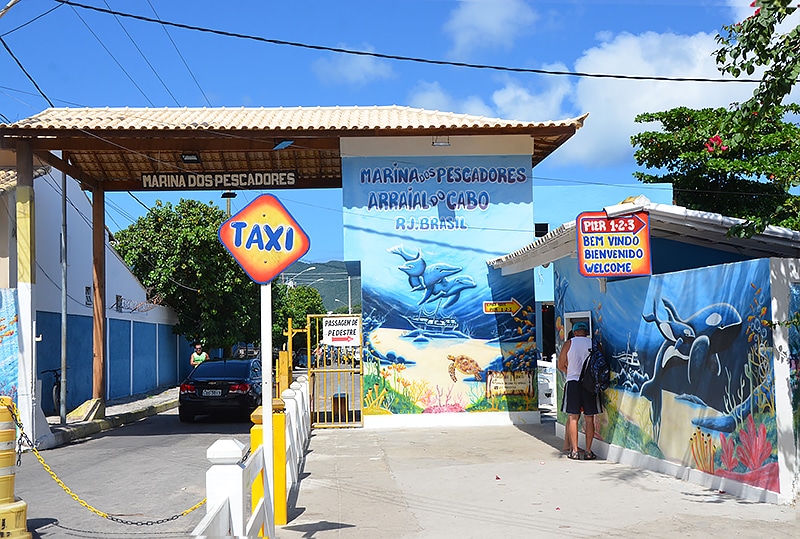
465	364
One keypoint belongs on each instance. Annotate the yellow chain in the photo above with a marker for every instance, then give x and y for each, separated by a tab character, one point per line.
15	413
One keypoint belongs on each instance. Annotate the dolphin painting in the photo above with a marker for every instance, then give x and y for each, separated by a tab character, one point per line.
433	275
451	288
414	266
695	341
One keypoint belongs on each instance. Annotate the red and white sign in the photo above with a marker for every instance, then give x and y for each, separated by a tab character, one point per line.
264	238
341	330
613	246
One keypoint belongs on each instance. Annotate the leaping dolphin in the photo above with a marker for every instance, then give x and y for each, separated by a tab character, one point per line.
451	289
414	266
434	274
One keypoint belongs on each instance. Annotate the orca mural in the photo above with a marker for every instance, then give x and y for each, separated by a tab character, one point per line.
691	354
443	332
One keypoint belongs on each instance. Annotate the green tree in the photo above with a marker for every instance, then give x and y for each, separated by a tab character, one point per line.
751	157
758	41
748	180
295	303
175	251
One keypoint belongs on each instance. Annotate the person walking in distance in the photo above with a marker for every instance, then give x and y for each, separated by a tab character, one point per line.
577	399
198	356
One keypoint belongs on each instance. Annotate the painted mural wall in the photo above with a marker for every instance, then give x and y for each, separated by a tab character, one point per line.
794	357
692	365
9	343
442	332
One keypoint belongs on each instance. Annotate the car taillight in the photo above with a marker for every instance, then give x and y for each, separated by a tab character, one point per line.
187	388
239	388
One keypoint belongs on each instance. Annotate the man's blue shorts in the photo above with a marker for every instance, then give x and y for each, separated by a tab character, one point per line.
577	400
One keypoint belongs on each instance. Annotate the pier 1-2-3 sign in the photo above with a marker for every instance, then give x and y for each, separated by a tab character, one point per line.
613	246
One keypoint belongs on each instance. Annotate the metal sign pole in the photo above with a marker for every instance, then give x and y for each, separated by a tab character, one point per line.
266	398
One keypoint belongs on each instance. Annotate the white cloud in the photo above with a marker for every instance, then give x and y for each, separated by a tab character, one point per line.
478	24
431	96
352	69
516	102
740	9
613	104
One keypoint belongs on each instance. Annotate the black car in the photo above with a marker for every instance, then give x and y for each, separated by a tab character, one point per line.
221	386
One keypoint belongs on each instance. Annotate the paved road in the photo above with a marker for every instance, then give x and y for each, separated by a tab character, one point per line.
145	471
502	482
438	483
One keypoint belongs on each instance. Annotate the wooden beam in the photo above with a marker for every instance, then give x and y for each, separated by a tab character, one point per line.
302	183
245	139
99	295
58	163
170	141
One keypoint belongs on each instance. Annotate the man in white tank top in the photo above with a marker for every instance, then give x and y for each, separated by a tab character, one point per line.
576	399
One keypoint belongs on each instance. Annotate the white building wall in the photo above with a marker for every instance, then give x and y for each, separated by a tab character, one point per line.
119	280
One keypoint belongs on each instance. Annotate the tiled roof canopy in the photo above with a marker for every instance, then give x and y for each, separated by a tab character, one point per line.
8	177
118	145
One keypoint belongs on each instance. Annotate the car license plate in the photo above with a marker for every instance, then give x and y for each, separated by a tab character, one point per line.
212	393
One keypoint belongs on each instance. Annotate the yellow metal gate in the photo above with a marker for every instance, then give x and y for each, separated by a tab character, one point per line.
334	369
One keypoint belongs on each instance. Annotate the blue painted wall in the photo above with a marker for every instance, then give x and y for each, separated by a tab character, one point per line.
167	354
119	358
144	357
79	356
146	337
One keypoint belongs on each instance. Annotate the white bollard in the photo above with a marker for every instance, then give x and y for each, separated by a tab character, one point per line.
305	411
293	435
224	480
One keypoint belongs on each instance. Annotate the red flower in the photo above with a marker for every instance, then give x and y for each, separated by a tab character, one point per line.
715	143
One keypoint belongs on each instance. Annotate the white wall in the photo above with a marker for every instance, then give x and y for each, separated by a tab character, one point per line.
119	280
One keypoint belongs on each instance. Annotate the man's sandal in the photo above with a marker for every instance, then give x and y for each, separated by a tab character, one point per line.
575	455
589	456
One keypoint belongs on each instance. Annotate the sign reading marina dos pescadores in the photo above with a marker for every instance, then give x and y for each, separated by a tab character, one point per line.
613	247
274	179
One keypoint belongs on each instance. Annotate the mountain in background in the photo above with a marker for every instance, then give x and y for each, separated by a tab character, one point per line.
330	279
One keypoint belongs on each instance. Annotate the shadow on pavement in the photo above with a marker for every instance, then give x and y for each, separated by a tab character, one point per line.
310	529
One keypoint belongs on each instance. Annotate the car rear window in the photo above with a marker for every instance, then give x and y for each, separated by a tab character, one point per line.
223	369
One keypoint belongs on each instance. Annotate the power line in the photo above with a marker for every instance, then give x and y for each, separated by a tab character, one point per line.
186	65
23	25
400	57
30	78
144	57
112	57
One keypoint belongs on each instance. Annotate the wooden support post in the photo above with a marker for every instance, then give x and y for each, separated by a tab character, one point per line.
99	296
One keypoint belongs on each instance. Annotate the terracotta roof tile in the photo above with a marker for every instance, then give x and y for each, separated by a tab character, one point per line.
292	118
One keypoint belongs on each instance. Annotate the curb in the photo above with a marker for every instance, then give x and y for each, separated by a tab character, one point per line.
64	434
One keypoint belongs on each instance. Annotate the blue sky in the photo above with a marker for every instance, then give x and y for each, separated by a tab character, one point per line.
83	58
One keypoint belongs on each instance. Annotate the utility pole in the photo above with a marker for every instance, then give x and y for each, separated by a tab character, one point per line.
8	6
